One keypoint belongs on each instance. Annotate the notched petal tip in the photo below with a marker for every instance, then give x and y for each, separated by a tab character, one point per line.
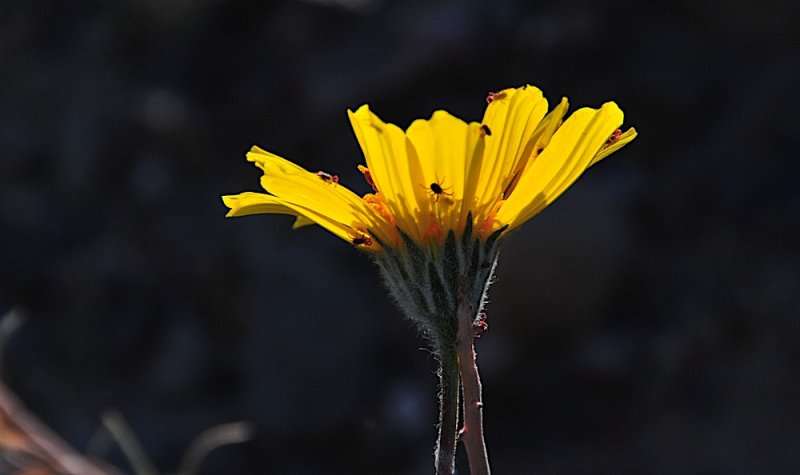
363	112
611	105
228	200
363	116
258	156
255	153
234	203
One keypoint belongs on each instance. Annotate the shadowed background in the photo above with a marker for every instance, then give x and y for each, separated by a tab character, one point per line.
644	323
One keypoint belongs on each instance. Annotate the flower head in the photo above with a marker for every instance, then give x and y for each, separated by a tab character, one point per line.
444	194
443	174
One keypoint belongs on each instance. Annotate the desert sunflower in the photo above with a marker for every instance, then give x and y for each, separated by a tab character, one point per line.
445	194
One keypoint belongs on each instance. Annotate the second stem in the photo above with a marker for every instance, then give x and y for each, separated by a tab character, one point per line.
448	410
472	432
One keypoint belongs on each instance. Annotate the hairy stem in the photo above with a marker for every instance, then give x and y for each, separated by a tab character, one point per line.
472	432
448	411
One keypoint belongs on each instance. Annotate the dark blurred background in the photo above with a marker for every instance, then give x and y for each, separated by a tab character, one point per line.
645	323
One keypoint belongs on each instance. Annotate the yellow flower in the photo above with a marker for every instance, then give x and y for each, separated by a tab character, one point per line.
442	172
445	194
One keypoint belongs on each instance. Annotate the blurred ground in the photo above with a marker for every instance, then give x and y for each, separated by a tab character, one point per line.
645	323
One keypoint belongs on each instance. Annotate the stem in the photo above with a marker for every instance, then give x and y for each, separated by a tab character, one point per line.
448	411
472	433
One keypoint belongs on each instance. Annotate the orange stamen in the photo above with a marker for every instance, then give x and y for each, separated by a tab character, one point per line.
487	224
434	231
379	206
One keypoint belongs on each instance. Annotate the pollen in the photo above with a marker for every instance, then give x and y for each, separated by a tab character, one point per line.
377	204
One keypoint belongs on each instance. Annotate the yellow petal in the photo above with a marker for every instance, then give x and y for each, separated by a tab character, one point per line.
293	184
474	162
329	204
442	145
538	142
342	230
259	156
247	203
551	122
623	140
395	168
569	153
511	118
302	222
